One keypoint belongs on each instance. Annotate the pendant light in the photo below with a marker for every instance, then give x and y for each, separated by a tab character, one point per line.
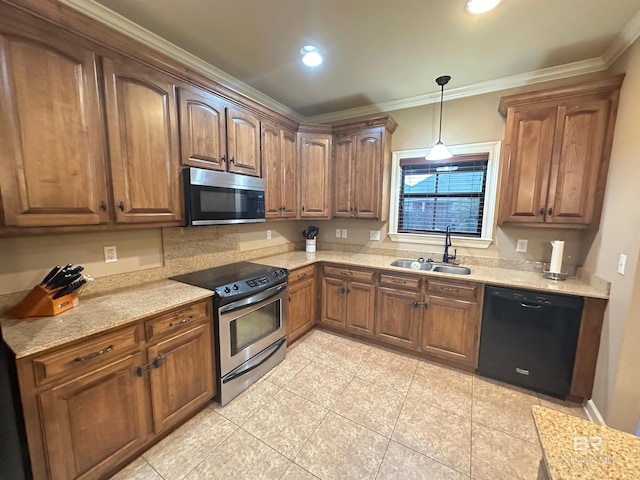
440	150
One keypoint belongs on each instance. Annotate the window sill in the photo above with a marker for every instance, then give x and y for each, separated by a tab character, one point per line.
439	240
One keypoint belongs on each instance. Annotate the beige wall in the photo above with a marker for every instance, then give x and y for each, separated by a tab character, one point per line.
617	388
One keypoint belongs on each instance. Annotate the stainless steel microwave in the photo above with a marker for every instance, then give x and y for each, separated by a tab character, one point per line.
215	198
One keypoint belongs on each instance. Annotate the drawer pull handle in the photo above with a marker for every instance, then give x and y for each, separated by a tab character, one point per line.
183	321
452	290
94	354
347	274
416	304
399	282
302	275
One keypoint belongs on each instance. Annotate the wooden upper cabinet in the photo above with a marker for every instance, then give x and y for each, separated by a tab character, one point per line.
203	131
361	164
556	154
51	135
243	142
315	152
279	170
143	140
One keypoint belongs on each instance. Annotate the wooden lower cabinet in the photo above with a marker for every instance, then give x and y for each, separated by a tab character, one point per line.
303	294
184	379
93	405
449	329
95	420
348	299
398	317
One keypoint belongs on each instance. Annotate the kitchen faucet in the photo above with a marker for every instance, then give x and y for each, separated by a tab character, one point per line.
446	258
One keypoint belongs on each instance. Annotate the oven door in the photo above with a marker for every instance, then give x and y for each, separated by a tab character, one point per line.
250	325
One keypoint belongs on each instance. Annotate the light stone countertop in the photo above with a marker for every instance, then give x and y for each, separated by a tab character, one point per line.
112	309
92	315
482	274
578	449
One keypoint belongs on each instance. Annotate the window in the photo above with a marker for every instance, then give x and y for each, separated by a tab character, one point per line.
427	196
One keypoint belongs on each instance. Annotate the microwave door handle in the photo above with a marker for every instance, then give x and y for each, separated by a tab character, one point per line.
252	300
243	369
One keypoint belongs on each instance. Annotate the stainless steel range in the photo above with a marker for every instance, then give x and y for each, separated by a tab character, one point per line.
250	320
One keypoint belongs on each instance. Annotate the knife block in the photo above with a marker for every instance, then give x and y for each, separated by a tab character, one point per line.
38	303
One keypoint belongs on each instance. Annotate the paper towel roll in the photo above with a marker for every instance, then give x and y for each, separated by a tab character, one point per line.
557	250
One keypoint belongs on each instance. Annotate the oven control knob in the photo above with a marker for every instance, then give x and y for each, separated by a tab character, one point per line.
227	290
236	287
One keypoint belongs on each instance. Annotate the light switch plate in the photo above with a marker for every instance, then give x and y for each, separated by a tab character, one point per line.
374	234
338	233
522	245
344	233
268	234
622	263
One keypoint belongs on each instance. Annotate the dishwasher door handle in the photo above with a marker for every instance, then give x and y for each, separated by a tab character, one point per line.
530	305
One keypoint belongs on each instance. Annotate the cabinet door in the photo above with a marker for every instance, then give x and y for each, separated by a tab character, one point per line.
397	317
272	170
334	302
449	329
243	138
302	308
530	132
578	154
289	165
143	140
94	421
185	379
343	158
203	133
51	132
366	177
314	176
360	306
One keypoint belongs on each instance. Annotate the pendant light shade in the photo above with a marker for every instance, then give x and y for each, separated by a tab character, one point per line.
440	150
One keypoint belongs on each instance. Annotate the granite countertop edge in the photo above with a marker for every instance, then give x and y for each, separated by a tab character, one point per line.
118	308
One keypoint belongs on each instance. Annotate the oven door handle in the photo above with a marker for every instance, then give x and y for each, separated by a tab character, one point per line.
252	300
255	362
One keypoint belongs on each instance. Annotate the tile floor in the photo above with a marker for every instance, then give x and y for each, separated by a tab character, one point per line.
340	409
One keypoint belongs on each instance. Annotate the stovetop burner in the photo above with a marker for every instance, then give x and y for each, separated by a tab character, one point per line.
235	279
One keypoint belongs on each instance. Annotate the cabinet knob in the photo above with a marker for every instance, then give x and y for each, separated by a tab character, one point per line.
121	206
232	160
103	206
542	211
550	211
223	159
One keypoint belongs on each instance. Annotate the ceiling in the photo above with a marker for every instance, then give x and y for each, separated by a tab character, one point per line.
387	53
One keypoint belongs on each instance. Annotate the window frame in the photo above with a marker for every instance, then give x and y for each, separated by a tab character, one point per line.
490	196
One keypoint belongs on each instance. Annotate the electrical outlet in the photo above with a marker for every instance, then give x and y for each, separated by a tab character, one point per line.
268	234
622	263
522	245
110	254
374	234
338	233
344	233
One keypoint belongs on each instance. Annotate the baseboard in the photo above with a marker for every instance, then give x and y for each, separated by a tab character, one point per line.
594	413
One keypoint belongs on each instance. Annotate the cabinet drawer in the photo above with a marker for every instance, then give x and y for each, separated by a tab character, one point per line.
465	291
177	319
350	274
102	349
300	273
389	280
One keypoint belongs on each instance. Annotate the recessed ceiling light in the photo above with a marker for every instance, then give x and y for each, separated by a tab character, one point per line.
481	6
311	56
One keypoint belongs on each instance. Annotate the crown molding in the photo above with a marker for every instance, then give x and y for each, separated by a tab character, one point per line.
522	79
623	40
125	26
629	34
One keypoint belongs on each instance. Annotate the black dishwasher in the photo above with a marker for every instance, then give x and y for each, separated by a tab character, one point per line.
529	338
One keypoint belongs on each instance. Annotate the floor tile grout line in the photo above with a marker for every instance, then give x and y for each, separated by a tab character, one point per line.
492	427
152	467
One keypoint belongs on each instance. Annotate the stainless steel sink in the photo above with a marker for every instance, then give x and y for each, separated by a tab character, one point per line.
451	269
412	264
431	267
